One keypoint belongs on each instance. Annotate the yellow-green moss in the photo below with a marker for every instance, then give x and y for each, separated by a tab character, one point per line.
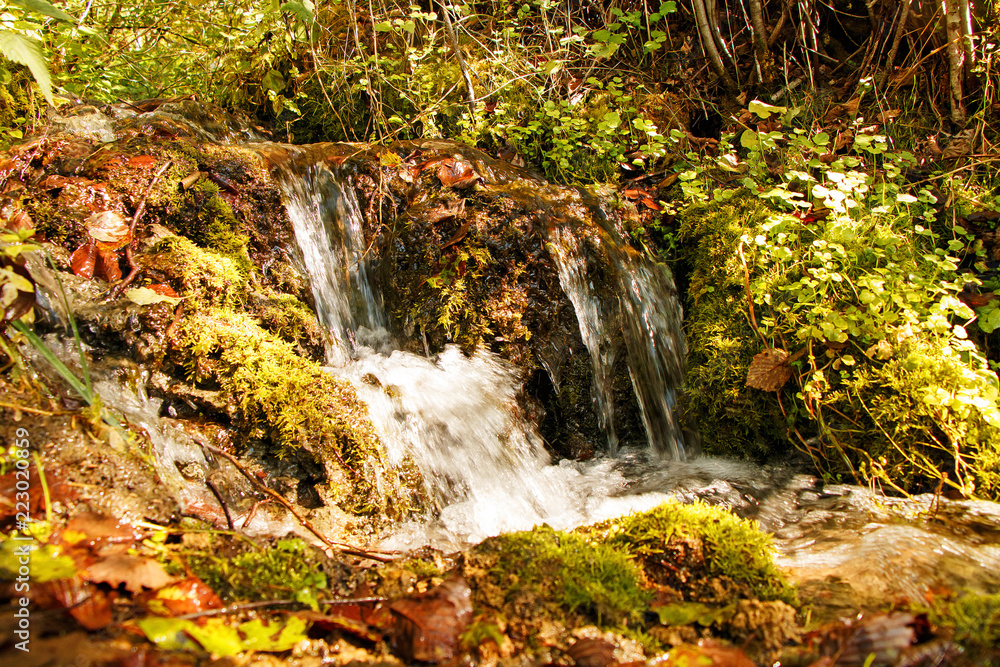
687	546
275	394
289	569
974	619
732	418
209	276
544	573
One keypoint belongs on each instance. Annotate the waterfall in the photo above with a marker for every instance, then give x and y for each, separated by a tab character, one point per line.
650	316
327	222
656	349
572	265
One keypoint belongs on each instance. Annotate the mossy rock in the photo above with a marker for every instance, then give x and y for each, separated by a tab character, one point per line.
974	621
705	553
733	420
545	575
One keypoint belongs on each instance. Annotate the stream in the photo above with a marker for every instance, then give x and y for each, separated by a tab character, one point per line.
486	467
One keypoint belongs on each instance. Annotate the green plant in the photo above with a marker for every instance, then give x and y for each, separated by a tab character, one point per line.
856	277
19	37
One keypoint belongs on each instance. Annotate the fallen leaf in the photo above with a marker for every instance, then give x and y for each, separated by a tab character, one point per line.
191	179
108	227
769	370
446	211
107	262
459	235
142	161
428	625
18	293
961	145
343	618
92	529
651	204
689	655
86	603
145	296
456	173
189	596
17	219
84	260
853	641
134	572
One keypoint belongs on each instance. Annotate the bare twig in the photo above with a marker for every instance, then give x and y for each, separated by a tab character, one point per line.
257	484
897	38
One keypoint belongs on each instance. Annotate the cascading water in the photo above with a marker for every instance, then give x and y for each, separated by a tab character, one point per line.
572	264
327	223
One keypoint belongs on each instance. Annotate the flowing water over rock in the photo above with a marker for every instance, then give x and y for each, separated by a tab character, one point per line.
460	420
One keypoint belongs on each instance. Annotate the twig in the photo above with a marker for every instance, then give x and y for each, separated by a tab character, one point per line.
133	267
339	546
222	501
34	411
746	284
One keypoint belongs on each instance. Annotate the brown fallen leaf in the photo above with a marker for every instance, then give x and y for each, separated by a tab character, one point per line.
85	602
84	260
446	211
90	529
848	108
191	179
107	262
459	235
769	370
16	219
108	227
961	145
345	618
18	294
456	173
134	572
427	625
851	642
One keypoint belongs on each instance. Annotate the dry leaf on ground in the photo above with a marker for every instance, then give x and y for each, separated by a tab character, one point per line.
769	370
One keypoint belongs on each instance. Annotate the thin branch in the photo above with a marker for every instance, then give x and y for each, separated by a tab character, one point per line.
343	548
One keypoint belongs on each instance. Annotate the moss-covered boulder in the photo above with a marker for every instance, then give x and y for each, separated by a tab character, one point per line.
878	380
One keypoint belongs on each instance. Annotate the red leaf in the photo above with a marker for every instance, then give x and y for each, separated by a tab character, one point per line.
83	260
346	618
428	625
107	264
651	204
142	161
456	173
190	596
87	603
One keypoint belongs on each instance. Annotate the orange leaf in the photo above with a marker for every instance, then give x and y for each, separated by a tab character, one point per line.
456	173
107	263
87	603
769	370
163	290
142	161
190	596
83	260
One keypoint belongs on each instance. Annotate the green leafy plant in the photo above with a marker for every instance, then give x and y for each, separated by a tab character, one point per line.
19	37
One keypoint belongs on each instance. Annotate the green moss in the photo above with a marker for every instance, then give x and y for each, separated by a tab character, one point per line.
546	573
732	418
975	621
289	569
291	320
686	546
277	395
209	276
